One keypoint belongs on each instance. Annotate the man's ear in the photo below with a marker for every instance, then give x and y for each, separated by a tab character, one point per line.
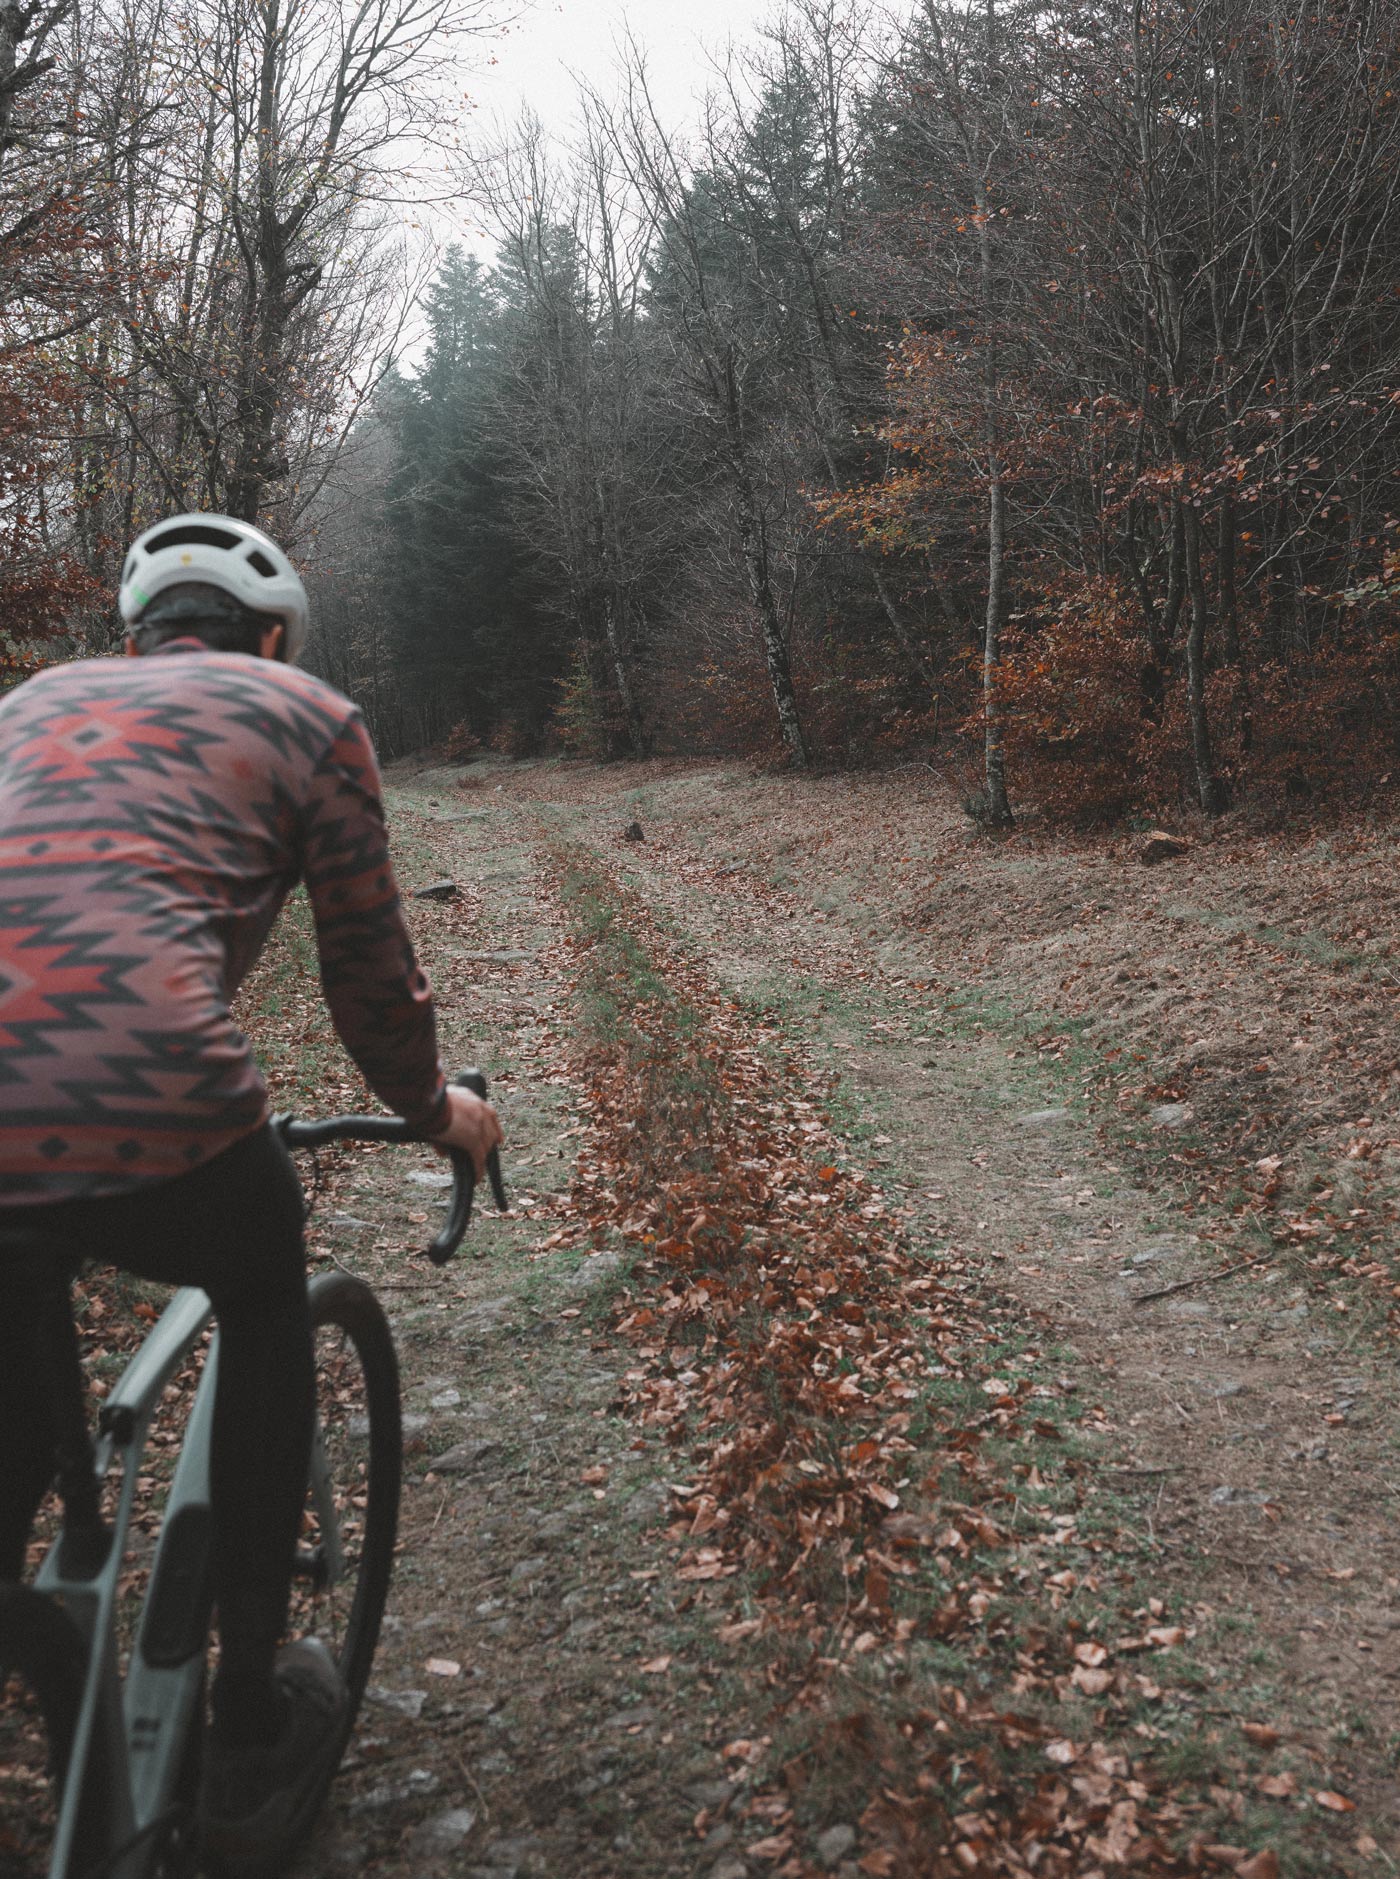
133	651
271	643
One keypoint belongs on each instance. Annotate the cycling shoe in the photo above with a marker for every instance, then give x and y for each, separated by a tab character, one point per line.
256	1803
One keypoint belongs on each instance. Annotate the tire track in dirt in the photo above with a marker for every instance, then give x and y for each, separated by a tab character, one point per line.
529	1557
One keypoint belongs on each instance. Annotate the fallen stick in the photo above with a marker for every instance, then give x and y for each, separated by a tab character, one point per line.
1203	1278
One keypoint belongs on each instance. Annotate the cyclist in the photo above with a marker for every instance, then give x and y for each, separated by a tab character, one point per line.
154	814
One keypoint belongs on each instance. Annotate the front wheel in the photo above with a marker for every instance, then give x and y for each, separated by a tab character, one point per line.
43	1660
346	1554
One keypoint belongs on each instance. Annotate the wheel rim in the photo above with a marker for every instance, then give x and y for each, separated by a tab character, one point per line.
330	1552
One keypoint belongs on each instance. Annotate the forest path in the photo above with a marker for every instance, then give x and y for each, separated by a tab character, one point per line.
508	1730
1225	1485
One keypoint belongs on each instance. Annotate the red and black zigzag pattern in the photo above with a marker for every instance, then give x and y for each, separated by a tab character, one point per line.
154	814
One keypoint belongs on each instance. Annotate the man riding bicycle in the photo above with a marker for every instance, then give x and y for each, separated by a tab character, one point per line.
154	814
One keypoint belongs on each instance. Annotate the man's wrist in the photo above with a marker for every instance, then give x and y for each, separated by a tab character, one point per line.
438	1118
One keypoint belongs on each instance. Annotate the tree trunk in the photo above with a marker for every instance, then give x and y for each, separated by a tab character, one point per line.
998	805
915	658
753	546
622	678
1211	788
257	408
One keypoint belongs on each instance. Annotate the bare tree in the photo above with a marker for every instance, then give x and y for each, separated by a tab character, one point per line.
725	336
26	55
318	97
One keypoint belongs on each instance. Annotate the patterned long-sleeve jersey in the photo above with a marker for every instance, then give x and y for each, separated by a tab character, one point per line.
154	815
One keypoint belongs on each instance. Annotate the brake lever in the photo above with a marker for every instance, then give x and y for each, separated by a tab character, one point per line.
449	1237
474	1081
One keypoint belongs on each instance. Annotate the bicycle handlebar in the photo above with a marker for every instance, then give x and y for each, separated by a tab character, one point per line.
393	1129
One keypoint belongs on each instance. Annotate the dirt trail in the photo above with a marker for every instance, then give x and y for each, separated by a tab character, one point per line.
1237	1437
507	1731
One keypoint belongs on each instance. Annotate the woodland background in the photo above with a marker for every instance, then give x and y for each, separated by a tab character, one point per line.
1017	385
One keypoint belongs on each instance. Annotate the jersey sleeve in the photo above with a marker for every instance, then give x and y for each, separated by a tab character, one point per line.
378	995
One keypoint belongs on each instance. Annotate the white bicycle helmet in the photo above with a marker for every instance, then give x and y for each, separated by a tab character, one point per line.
224	553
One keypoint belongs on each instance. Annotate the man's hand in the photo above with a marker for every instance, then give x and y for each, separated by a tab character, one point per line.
472	1125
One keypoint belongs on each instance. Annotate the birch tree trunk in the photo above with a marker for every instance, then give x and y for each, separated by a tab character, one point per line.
998	804
753	545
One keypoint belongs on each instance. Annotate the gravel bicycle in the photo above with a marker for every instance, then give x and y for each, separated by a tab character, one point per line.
99	1772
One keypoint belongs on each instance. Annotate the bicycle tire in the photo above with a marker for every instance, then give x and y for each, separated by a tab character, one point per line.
358	1415
43	1661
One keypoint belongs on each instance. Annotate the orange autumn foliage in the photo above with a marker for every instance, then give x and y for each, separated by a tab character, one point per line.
1096	725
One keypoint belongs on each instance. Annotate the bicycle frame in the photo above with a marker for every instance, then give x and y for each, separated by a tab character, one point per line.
145	1722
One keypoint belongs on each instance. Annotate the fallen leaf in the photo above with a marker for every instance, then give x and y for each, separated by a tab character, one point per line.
776	1846
1166	1636
654	1666
1262	1865
1277	1787
1091	1682
1262	1734
1335	1803
443	1667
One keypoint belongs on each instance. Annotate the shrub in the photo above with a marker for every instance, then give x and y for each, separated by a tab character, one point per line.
1073	685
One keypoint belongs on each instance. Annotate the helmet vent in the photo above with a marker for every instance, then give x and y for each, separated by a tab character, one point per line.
191	533
257	559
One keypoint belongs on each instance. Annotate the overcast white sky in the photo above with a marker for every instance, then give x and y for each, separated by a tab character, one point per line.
533	60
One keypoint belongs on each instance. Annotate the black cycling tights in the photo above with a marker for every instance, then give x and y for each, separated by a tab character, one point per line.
234	1228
